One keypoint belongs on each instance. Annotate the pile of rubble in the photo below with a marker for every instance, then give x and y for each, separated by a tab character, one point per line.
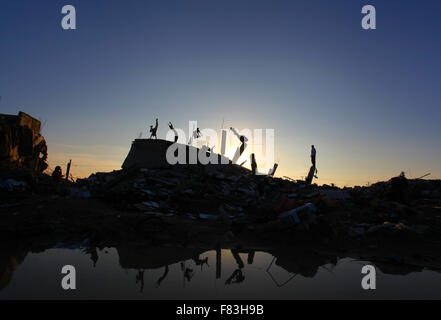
396	207
266	205
211	192
228	196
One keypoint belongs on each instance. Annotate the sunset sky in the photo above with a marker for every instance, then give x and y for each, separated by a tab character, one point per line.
368	100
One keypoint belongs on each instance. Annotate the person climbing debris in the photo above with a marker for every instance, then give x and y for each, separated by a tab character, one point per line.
170	125
313	153
242	147
153	130
196	135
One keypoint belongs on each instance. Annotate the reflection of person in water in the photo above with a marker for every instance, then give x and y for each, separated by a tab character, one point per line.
200	262
94	256
188	273
236	277
158	283
238	259
251	257
140	278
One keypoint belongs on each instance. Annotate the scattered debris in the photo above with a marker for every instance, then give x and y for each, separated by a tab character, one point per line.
149	200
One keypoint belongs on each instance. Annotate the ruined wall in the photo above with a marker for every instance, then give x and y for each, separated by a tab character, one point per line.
21	144
151	154
147	153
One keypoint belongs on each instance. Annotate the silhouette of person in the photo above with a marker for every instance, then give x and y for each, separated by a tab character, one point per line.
242	147
154	130
57	175
170	125
313	153
253	164
196	134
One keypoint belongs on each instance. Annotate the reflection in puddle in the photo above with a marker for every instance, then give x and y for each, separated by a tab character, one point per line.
127	272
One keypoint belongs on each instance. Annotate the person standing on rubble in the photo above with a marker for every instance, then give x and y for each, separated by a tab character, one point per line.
154	130
253	164
170	125
313	153
196	135
57	175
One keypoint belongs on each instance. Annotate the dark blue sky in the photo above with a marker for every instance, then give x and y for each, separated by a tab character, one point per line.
369	100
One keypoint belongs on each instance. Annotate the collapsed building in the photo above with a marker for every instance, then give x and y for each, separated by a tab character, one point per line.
21	144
